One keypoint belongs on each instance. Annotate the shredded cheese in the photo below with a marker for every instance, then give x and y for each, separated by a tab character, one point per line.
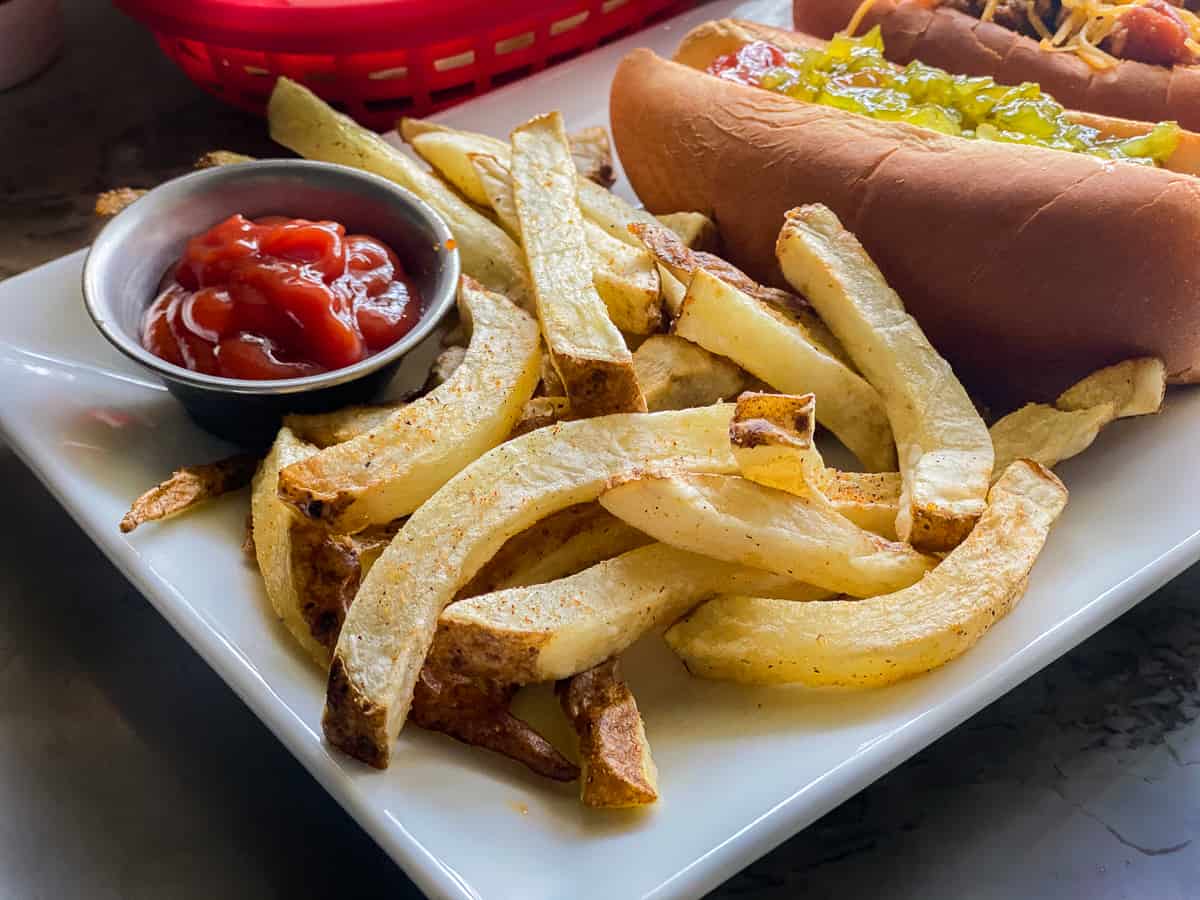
1085	24
856	20
1035	20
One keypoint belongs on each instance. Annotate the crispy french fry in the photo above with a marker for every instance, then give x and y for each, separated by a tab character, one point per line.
875	642
327	429
214	158
598	204
188	487
772	440
560	545
304	123
676	374
591	151
625	277
944	449
475	711
587	349
539	412
391	624
1135	387
724	320
109	203
618	770
1045	434
551	630
391	470
273	526
736	520
696	230
871	500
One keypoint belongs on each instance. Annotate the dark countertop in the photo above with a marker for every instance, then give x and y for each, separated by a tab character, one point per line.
127	769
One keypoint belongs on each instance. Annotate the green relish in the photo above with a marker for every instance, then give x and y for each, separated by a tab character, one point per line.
852	74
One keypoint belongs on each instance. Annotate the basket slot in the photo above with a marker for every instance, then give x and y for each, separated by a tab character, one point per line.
512	44
570	22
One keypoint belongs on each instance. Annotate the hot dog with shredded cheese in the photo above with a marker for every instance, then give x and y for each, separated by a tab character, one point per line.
1136	59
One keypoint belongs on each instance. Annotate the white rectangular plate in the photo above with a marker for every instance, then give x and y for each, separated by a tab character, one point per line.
741	769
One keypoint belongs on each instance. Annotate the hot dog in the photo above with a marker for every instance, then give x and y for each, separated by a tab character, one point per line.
1027	267
1134	60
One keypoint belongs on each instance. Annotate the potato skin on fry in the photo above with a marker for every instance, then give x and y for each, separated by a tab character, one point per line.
475	711
618	770
189	486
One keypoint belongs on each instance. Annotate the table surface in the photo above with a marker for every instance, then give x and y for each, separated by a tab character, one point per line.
127	769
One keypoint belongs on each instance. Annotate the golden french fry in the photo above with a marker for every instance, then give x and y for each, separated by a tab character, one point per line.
772	440
560	545
587	349
551	630
676	374
776	349
736	520
875	642
618	770
1135	387
327	429
625	277
1045	434
696	230
391	624
391	470
944	449
188	487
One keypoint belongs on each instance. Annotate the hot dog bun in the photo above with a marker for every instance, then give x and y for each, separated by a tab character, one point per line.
1028	268
962	44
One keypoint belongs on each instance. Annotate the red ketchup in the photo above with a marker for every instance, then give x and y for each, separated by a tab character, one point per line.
748	66
279	298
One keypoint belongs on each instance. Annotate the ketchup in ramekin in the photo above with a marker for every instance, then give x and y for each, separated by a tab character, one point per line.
279	298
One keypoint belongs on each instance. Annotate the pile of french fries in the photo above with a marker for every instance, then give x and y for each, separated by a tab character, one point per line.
626	445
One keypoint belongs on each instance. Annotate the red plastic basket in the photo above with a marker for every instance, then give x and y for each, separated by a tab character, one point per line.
380	59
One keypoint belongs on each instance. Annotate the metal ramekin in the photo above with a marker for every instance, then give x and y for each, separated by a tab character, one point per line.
129	257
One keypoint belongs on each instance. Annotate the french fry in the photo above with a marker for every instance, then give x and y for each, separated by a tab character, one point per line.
591	152
273	524
539	412
304	123
1135	387
736	520
587	349
625	277
1047	435
881	640
676	374
618	770
327	429
551	630
391	470
871	500
558	546
188	487
598	204
724	320
772	440
391	624
944	449
476	712
696	230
